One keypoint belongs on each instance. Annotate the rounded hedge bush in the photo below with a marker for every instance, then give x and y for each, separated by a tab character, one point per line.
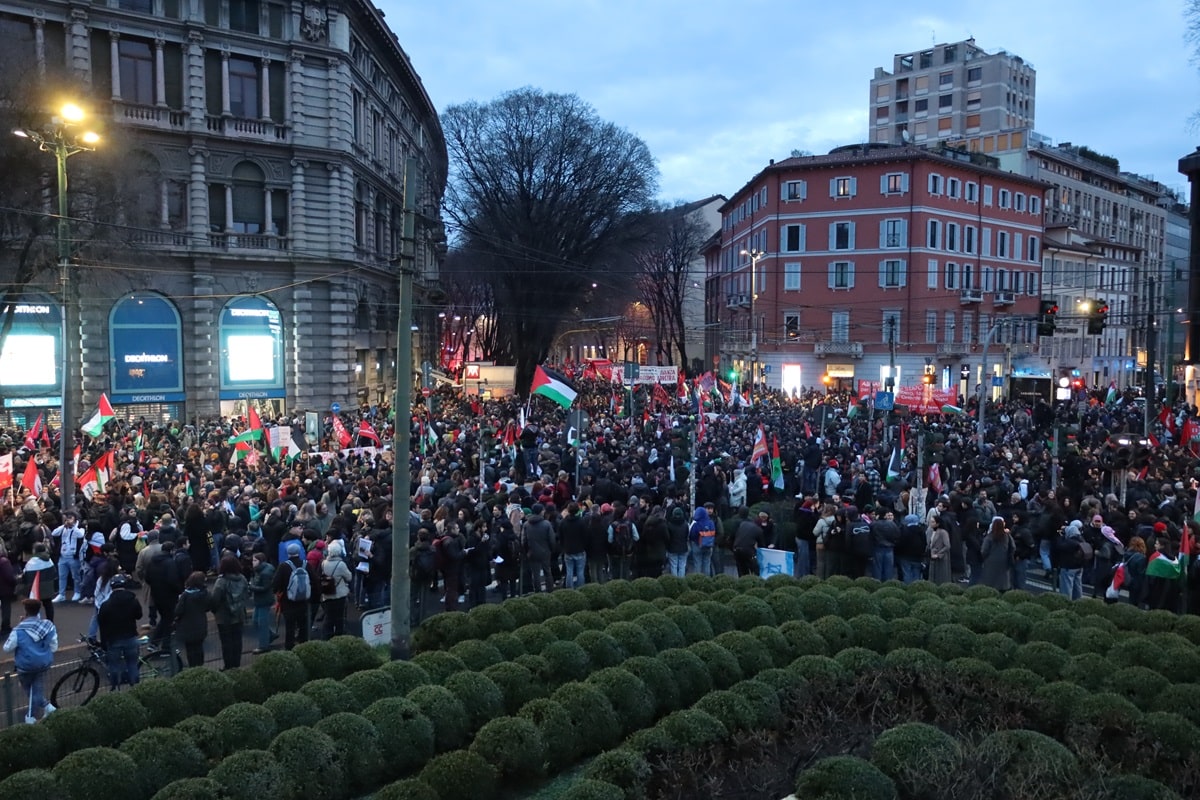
632	638
844	778
190	789
631	699
588	620
1097	717
784	682
836	632
516	683
162	700
949	641
1180	664
1022	763
718	614
859	660
933	612
663	632
479	695
751	654
631	610
491	619
855	601
311	763
803	639
1019	679
358	743
364	688
442	631
356	654
690	672
602	649
595	722
1188	626
1044	658
913	662
892	608
537	666
523	612
406	735
570	602
33	782
1089	640
26	747
777	645
563	627
1140	685
598	595
439	705
1169	735
249	775
568	661
750	612
1135	651
203	733
204	691
478	655
785	604
908	632
1130	787
547	605
1181	698
693	728
406	676
624	768
95	773
821	671
1013	625
281	671
508	643
321	659
722	665
556	728
247	686
122	716
460	775
872	632
816	604
658	680
1054	704
243	726
292	710
329	695
589	789
996	649
513	746
691	623
439	665
1086	669
407	789
972	671
763	700
919	758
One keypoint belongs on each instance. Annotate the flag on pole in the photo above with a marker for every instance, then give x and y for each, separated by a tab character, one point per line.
365	431
760	446
701	426
339	430
1111	397
1167	419
139	443
431	435
935	478
104	412
253	418
6	471
807	430
247	436
681	389
896	462
549	383
32	479
671	469
35	589
35	433
776	464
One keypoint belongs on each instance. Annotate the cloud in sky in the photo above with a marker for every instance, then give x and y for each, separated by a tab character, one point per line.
717	89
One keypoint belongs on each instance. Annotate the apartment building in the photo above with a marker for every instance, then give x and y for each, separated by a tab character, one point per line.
877	261
272	140
950	90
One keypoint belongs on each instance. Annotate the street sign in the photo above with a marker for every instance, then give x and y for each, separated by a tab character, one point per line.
425	392
633	371
766	368
997	380
377	627
336	407
884	401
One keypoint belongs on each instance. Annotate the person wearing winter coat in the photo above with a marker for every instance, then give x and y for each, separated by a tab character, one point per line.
910	550
702	540
335	571
126	537
228	604
939	554
118	619
40	579
191	618
997	551
572	533
746	541
31	642
677	542
1067	556
262	595
540	542
8	592
652	545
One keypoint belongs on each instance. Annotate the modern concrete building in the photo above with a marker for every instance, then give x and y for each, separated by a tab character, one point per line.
272	139
877	261
951	90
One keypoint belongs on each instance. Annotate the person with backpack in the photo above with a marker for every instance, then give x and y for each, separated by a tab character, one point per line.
118	619
33	644
228	604
191	618
294	589
335	588
748	537
702	540
1070	554
262	576
622	536
165	584
423	574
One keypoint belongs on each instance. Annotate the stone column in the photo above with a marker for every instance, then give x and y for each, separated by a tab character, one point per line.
264	86
198	195
160	73
202	347
114	49
39	43
298	208
225	83
193	82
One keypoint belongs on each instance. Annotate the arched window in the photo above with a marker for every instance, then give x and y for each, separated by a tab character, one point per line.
249	202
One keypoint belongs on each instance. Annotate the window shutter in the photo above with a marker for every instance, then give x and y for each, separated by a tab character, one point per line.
933	274
850	274
783	192
931	177
803	238
883	233
851	235
903	273
803	190
1017	250
904	182
833	187
833	236
832	274
853	187
883	274
883	184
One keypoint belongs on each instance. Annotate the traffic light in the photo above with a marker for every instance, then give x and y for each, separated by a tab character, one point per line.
1047	319
733	375
927	379
1097	317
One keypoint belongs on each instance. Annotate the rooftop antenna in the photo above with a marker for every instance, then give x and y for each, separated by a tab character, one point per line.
933	37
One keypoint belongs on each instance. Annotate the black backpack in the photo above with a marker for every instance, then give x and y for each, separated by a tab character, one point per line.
425	564
860	539
623	537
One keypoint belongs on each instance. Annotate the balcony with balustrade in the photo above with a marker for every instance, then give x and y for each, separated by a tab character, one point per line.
149	116
259	130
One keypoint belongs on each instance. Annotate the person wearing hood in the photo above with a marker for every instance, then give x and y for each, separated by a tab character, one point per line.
191	618
262	575
1069	558
127	537
702	539
33	644
1108	555
335	588
228	604
737	488
997	553
39	578
118	619
910	549
677	542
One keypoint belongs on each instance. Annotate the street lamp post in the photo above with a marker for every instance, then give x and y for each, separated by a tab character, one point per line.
64	138
755	255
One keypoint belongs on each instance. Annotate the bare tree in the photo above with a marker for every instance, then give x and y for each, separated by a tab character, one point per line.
470	296
546	190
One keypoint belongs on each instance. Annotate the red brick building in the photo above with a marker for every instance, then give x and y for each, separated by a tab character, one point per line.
872	256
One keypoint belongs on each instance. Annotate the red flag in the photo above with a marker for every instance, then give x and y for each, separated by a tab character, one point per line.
34	434
681	390
760	446
902	428
1190	430
339	430
31	479
365	431
660	394
807	430
1167	419
252	416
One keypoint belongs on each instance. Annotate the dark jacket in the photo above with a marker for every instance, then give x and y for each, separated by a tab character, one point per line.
164	581
8	579
234	585
806	521
884	533
677	531
118	617
655	538
283	574
191	616
572	533
539	539
261	590
749	537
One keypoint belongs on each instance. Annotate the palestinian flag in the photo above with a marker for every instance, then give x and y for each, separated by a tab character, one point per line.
550	384
95	426
1111	397
896	462
760	446
1161	566
776	465
247	436
255	420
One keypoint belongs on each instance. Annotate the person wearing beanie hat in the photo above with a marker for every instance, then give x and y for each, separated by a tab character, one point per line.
1070	554
294	608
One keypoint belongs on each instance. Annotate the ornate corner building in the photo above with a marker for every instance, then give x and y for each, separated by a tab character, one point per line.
273	136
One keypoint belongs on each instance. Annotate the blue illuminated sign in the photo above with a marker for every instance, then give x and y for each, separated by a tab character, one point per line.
145	350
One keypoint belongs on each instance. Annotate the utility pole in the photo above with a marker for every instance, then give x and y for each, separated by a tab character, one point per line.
755	255
401	441
1168	360
695	468
890	384
1151	348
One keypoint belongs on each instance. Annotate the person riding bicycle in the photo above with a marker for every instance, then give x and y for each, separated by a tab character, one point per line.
118	619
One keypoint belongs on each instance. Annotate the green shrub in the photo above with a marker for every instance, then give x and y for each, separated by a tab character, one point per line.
698	582
663	632
817	604
663	603
190	789
844	778
1187	626
563	628
631	699
803	639
32	783
763	702
871	631
1020	763
407	789
567	660
658	680
972	671
1043	658
776	644
691	622
359	746
588	789
329	695
508	643
535	637
26	747
1168	736
406	675
442	631
292	710
162	700
908	632
722	665
922	760
949	641
547	605
281	671
312	764
892	608
751	654
556	728
631	610
516	683
479	695
1135	651
1104	710
203	733
836	632
690	672
1054	703
451	724
204	691
589	620
621	591
513	745
1180	664
364	688
785	683
724	596
693	729
478	655
406	735
321	659
592	716
249	775
785	604
821	671
1055	630
691	597
1086	669
1013	625
490	619
1181	698
913	662
1026	608
996	649
461	775
632	638
244	726
933	612
356	654
523	611
95	773
1019	679
750	612
247	686
602	649
122	716
1089	640
439	665
1129	787
719	615
624	768
537	666
569	602
853	602
1139	685
598	595
859	660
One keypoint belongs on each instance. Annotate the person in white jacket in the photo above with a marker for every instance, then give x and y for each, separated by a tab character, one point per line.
72	540
737	489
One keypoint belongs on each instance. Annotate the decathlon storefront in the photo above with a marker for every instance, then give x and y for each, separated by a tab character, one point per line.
145	345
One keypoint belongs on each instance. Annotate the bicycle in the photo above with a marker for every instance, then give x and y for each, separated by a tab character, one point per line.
81	684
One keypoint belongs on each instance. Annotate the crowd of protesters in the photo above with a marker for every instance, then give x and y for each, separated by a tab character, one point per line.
503	504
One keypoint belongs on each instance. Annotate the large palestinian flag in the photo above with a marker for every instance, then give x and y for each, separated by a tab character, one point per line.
550	384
